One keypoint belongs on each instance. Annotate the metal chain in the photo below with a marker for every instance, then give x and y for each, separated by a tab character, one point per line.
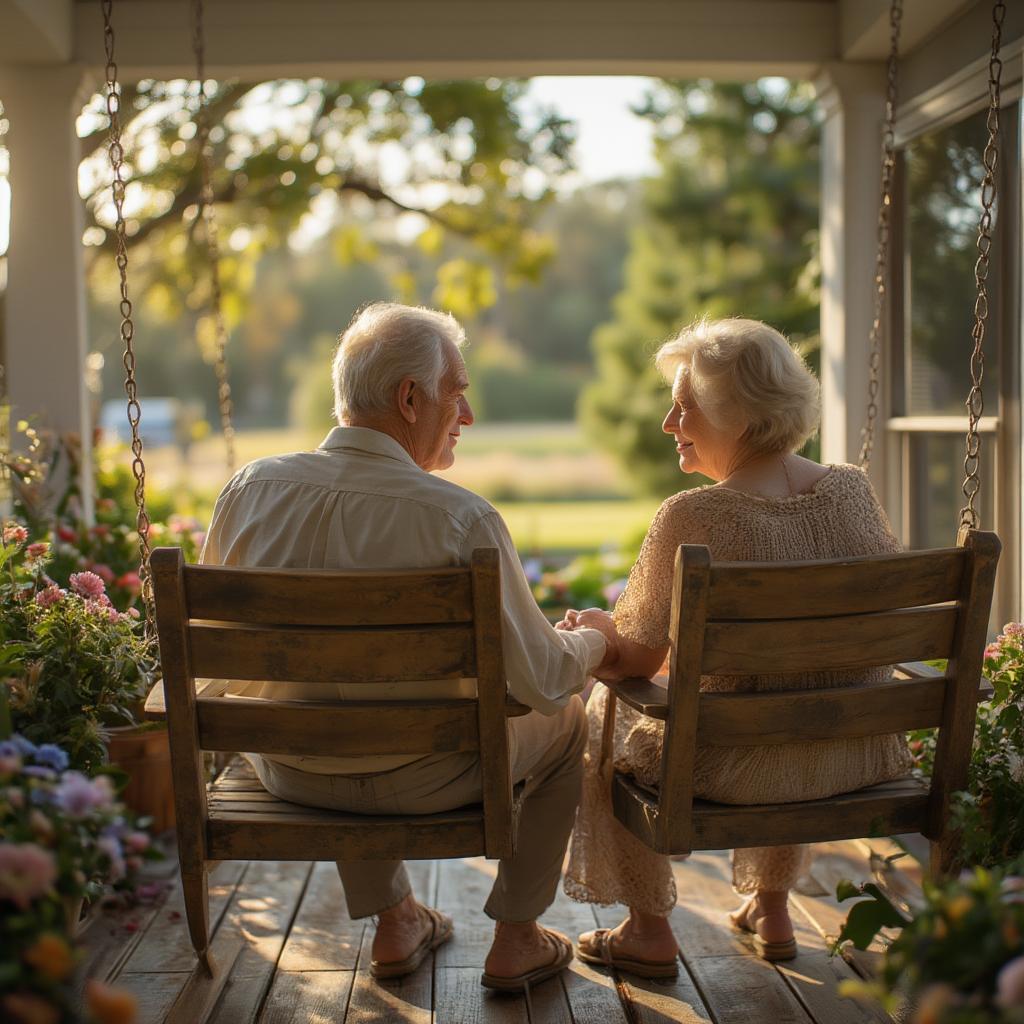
209	215
882	255
127	330
976	398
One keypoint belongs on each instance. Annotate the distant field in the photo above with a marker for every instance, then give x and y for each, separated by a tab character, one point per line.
556	492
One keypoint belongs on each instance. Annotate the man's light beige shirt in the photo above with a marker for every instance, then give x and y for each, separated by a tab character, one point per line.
360	502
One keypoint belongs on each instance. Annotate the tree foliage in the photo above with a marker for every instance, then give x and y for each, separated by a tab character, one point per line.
461	158
730	229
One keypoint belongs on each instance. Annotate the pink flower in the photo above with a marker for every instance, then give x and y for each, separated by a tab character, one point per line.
100	530
66	534
1010	984
9	764
104	572
136	842
15	534
38	550
49	596
87	584
131	582
132	613
26	872
992	650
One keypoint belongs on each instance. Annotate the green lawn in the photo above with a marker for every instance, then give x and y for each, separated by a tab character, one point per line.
564	527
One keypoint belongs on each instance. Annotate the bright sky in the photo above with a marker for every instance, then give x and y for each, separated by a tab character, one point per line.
611	141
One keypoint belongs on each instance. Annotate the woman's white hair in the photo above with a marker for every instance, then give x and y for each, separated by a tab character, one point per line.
745	376
385	343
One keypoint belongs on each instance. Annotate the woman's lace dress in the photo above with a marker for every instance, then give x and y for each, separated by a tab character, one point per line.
839	518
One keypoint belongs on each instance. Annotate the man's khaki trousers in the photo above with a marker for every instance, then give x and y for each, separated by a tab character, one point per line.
546	754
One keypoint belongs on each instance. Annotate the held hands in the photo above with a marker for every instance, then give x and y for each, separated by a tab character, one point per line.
595	618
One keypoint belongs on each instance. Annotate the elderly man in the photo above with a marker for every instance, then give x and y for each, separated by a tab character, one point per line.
366	499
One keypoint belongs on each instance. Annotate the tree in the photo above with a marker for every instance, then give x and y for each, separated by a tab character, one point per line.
730	229
459	155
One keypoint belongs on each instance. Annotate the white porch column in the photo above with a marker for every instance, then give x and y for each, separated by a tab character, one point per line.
852	97
44	310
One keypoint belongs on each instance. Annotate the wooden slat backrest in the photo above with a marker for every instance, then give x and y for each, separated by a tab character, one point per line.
292	597
783	618
372	630
759	590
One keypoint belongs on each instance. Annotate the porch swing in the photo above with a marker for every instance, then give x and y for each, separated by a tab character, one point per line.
791	617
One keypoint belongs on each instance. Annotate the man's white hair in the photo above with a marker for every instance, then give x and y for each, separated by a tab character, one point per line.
385	343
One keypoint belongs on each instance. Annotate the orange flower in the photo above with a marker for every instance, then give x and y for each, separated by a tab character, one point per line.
28	1008
51	956
110	1005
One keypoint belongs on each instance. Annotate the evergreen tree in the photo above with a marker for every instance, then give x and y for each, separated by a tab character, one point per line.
730	229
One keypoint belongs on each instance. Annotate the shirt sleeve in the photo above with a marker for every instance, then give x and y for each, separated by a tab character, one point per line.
643	610
545	666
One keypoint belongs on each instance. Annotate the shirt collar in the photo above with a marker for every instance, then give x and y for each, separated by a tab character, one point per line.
364	439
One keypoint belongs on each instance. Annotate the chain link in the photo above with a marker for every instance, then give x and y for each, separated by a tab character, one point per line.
867	434
209	217
976	399
127	329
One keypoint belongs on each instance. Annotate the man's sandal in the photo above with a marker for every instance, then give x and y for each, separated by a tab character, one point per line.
441	930
596	948
771	951
521	982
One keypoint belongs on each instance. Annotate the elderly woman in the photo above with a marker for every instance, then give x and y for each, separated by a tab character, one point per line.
743	402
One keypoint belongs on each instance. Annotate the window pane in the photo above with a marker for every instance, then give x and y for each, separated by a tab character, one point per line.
943	173
936	477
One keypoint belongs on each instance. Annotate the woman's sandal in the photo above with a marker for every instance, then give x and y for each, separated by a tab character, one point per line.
596	948
441	930
771	951
520	982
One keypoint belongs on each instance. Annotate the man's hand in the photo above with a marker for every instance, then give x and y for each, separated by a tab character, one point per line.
595	618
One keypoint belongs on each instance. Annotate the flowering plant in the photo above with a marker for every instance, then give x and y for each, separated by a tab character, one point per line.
961	959
990	814
71	664
62	837
589	581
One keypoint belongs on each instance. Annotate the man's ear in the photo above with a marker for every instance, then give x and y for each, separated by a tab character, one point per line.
408	399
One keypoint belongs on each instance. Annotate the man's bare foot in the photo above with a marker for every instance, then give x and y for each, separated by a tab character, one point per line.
400	931
520	947
640	937
765	914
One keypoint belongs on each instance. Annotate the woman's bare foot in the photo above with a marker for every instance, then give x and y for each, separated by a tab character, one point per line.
766	914
400	931
640	936
520	947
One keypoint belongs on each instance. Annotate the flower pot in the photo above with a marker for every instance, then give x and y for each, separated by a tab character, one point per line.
145	755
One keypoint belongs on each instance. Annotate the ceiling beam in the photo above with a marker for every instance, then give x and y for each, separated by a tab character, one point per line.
260	39
35	31
864	32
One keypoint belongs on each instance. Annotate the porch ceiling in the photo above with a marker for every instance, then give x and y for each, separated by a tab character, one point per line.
261	39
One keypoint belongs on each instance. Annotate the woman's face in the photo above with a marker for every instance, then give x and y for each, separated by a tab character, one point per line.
702	447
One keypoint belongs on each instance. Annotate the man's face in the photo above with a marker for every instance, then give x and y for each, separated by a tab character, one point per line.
441	420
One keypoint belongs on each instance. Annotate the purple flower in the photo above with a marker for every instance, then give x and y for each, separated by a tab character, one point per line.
533	569
110	845
77	796
23	746
50	755
38	771
49	596
1015	630
10	758
613	591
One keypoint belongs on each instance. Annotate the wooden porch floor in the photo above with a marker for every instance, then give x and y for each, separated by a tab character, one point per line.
303	961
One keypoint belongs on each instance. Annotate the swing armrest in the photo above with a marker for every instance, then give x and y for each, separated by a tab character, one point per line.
922	670
643	695
155	709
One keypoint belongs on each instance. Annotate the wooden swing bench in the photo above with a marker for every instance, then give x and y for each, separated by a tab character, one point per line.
282	625
756	618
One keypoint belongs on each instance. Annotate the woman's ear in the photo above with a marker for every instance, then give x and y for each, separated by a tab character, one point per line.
408	399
